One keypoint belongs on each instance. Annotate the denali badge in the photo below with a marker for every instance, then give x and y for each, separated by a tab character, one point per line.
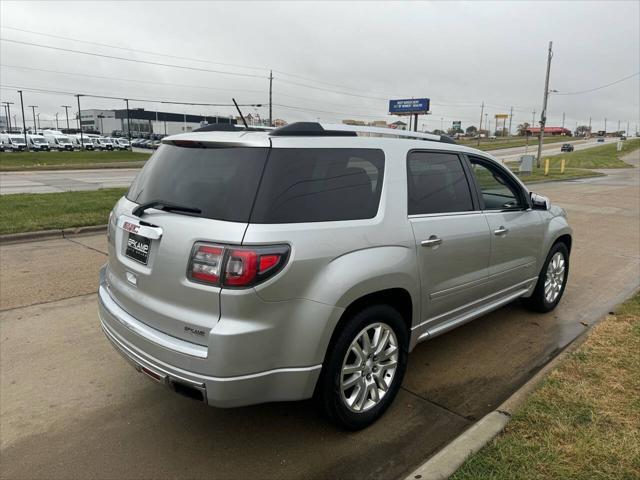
130	227
195	331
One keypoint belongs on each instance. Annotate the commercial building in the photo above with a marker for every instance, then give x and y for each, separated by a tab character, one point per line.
143	122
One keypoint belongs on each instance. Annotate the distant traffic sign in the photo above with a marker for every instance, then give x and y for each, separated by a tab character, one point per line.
457	124
500	116
409	106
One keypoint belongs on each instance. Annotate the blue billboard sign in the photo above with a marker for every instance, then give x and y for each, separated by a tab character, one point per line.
409	106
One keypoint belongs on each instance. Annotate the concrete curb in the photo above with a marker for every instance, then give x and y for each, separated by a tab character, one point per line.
451	457
12	238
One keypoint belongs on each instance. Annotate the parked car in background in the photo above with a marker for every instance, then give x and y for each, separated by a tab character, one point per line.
566	147
59	142
623	137
38	143
118	145
87	143
13	142
237	275
103	143
600	140
123	143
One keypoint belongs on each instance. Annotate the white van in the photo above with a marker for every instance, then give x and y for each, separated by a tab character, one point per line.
59	142
13	142
38	143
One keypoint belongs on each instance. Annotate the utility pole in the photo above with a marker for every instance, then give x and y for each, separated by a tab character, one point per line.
128	121
24	125
33	110
271	98
605	126
38	115
57	128
8	114
101	116
66	112
562	119
543	115
480	127
618	126
589	126
510	120
626	132
80	123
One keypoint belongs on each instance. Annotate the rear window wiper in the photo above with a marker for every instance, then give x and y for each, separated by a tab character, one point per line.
166	206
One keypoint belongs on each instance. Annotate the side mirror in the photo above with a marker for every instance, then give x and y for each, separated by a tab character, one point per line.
539	202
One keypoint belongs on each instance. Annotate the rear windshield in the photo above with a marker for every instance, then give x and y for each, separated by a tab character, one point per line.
320	185
298	185
222	182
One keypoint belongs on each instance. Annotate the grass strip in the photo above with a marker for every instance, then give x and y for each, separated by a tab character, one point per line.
68	160
580	163
29	212
584	420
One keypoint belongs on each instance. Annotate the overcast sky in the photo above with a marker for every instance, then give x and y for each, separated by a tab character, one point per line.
330	60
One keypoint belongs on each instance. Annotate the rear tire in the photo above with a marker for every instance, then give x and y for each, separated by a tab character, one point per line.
551	281
364	367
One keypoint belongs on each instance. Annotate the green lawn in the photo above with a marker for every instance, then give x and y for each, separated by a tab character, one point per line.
68	160
512	142
579	163
28	212
583	422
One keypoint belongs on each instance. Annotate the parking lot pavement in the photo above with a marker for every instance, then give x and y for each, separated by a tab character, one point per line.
72	408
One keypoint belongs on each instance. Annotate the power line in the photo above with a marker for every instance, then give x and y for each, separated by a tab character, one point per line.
149	52
92	95
20	67
601	87
133	60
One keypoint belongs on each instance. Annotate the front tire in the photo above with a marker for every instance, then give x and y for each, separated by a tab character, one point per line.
552	280
364	368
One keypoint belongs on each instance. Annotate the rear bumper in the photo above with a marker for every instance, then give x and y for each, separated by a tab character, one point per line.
135	342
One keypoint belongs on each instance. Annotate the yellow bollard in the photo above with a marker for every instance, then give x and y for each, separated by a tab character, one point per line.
546	166
562	166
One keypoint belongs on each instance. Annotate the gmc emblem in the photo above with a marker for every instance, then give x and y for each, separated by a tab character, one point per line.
131	227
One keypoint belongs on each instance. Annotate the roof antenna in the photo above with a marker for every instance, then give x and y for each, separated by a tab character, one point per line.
241	116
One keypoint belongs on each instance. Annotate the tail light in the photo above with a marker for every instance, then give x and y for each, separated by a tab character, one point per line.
235	267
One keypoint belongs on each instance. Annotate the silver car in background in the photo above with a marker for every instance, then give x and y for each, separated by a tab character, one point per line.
248	267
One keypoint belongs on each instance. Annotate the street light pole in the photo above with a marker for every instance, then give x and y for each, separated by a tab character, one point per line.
128	121
38	115
24	124
480	127
57	127
33	110
80	123
543	114
8	114
66	112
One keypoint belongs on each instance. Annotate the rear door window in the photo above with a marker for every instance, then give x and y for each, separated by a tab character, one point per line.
221	182
320	185
436	183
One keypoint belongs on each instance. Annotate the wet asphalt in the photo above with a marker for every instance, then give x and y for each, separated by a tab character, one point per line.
70	407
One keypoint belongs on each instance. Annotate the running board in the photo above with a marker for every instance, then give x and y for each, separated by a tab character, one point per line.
467	317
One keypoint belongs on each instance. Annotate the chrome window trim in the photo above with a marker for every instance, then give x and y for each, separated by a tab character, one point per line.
445	214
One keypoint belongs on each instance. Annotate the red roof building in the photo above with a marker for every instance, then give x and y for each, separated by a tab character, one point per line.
549	131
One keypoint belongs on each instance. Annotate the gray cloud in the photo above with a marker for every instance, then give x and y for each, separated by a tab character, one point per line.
457	53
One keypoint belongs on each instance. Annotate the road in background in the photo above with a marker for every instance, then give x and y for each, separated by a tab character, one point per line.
72	408
77	180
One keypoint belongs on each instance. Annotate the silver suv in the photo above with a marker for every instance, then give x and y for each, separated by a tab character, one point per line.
249	266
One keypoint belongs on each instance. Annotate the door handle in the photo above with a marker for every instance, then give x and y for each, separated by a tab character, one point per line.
501	231
433	241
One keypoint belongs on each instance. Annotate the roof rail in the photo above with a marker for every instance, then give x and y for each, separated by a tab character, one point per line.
309	129
391	132
314	129
230	127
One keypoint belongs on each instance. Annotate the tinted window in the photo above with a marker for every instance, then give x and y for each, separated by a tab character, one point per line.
437	184
222	182
497	191
319	185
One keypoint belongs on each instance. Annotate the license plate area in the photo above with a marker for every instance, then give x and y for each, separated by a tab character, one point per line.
138	248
